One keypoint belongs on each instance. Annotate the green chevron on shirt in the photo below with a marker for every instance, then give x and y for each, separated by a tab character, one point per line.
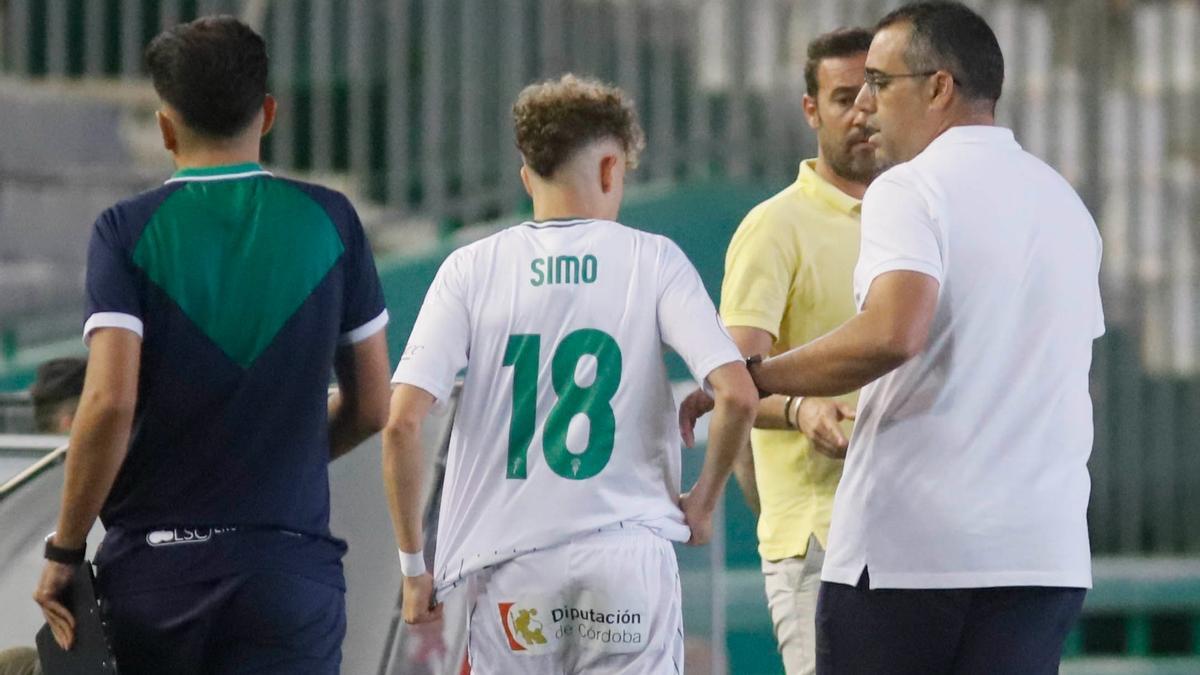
238	255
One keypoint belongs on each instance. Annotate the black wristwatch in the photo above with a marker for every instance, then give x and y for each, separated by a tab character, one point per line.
752	361
66	556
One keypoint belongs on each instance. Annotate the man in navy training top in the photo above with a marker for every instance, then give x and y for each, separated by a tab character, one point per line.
216	305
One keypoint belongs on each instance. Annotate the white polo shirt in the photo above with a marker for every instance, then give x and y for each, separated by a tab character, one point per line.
968	464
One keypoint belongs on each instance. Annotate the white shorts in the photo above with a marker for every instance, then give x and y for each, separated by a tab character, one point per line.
607	602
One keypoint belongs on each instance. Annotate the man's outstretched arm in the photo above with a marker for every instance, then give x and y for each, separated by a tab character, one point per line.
891	329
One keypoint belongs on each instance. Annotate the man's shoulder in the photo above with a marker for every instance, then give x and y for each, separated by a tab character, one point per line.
126	218
905	173
142	203
789	210
333	202
657	242
655	249
489	243
909	177
315	189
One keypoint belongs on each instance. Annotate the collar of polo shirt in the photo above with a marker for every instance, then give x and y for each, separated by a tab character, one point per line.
812	184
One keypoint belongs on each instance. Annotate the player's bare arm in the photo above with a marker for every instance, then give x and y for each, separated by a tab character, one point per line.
99	440
359	408
403	478
751	341
736	401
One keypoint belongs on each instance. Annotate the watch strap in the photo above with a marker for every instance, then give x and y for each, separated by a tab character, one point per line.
65	556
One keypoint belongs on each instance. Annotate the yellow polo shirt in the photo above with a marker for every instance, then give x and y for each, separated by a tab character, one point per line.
789	272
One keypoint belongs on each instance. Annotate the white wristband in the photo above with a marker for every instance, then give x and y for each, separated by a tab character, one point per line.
412	564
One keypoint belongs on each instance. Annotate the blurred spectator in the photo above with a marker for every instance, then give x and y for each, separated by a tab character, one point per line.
55	394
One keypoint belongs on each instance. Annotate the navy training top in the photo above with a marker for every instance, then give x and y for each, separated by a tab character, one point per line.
242	286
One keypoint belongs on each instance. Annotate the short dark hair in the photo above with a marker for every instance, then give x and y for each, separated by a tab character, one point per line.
832	45
213	71
950	36
58	382
556	118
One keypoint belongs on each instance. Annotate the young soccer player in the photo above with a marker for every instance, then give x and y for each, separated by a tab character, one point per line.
562	489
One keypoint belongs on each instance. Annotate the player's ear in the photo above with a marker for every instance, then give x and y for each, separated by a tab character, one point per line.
167	128
525	180
608	172
270	107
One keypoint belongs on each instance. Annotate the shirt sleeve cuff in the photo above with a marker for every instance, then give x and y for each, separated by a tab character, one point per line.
707	366
364	331
752	320
439	391
111	320
897	265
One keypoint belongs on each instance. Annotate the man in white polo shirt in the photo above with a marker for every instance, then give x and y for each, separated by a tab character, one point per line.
959	537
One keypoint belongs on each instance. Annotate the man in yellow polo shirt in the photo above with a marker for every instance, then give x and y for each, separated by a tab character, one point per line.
788	281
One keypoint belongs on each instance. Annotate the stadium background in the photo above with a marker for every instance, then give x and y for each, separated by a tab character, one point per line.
404	104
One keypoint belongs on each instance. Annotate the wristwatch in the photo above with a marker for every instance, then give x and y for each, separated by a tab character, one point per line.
66	556
752	361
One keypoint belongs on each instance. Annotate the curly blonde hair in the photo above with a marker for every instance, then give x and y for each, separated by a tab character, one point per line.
555	118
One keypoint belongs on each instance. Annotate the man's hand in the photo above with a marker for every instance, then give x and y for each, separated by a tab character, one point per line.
56	578
819	418
419	605
695	406
698	517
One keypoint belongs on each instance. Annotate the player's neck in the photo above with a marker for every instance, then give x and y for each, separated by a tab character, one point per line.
225	155
564	205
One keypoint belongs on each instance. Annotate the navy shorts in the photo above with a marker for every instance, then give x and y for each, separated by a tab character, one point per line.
259	623
1018	630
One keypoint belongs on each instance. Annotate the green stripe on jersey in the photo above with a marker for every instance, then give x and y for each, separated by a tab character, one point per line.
239	257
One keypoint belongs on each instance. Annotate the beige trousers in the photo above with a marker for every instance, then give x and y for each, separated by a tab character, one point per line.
792	585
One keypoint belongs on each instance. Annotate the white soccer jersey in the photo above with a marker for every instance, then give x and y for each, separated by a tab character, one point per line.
566	422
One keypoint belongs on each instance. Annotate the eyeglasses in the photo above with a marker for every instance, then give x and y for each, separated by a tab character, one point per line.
877	80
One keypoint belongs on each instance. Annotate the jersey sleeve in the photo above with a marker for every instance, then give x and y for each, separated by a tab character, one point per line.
758	273
687	319
112	286
364	311
438	345
898	233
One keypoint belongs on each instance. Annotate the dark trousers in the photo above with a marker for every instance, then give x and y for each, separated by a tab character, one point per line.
256	623
993	631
